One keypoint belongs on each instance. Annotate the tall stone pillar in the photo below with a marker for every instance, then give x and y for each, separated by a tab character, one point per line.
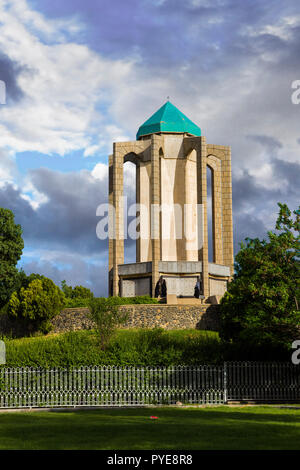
111	224
155	209
215	164
118	241
227	210
202	199
138	201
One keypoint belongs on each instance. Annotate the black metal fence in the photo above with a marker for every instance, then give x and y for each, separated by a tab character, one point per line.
132	386
262	381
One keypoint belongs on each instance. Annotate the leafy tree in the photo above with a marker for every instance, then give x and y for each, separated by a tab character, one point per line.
67	290
78	292
37	303
261	307
107	316
11	246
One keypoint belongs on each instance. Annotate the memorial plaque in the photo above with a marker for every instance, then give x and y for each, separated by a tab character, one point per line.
134	287
181	285
128	288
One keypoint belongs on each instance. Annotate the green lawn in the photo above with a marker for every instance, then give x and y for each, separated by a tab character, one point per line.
208	428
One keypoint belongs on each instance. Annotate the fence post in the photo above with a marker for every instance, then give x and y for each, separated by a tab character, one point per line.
225	382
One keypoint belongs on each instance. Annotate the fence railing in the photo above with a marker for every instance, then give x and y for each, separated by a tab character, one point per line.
110	386
262	381
131	386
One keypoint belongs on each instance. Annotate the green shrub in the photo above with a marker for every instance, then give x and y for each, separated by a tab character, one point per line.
78	292
76	303
107	316
143	348
37	304
260	311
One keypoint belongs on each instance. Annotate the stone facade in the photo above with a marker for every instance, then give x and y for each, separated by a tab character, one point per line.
171	170
169	317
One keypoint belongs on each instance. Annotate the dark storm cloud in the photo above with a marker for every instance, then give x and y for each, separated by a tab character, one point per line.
290	173
219	43
166	32
78	272
67	220
65	227
246	191
247	226
251	200
9	72
11	198
269	143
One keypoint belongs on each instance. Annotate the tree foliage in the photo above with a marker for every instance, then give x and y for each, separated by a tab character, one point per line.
11	246
36	303
261	306
78	292
107	316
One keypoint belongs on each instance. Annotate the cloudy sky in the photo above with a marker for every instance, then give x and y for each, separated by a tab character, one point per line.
81	74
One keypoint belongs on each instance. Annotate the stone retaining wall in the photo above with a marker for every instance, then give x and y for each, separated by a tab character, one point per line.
170	317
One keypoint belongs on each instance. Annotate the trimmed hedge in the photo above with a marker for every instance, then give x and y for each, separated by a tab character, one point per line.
155	347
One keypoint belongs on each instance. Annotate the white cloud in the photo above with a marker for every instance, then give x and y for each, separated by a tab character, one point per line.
62	83
8	168
91	151
283	28
37	23
264	176
100	172
32	195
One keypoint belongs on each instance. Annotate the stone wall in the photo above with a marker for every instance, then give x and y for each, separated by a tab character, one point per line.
170	317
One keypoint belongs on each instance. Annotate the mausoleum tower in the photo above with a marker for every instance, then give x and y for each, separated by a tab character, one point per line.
171	158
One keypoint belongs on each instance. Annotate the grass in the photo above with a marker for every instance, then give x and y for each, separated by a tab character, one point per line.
210	428
127	347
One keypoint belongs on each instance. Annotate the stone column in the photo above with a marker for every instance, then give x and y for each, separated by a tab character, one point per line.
111	223
202	199
215	164
227	210
118	241
155	206
138	201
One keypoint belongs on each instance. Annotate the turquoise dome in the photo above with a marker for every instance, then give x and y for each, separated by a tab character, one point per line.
168	119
